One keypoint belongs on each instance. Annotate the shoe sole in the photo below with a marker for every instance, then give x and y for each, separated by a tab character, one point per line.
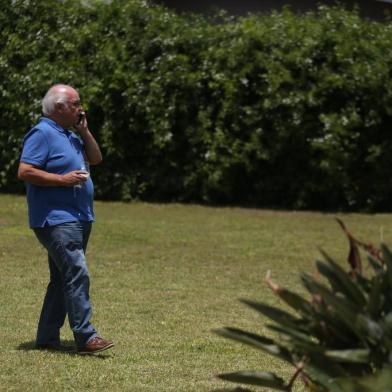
96	351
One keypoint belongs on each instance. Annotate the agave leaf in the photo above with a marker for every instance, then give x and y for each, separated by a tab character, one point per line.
295	335
340	280
388	318
256	341
375	264
386	325
387	257
324	365
326	271
262	379
292	299
354	258
344	309
379	381
338	303
363	283
275	314
372	330
306	350
317	387
376	297
331	330
306	346
324	371
326	327
352	356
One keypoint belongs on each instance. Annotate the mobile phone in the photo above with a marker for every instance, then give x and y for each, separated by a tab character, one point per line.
81	116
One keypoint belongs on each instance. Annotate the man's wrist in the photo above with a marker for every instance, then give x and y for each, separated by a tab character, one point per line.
59	180
84	133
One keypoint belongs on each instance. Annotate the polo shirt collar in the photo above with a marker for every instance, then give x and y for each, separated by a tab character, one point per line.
54	125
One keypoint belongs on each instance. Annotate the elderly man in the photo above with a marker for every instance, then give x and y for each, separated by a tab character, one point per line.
54	164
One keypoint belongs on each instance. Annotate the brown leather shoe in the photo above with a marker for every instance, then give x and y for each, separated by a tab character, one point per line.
95	345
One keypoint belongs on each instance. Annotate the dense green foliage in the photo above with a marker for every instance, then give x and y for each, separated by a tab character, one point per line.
336	338
269	110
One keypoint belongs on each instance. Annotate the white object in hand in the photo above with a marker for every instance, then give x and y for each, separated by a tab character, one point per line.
84	172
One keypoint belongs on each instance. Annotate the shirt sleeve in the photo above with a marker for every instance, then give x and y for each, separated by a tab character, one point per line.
35	149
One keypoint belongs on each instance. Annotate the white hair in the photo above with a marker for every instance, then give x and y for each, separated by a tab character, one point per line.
56	94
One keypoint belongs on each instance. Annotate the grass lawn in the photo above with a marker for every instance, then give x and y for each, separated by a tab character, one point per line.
162	277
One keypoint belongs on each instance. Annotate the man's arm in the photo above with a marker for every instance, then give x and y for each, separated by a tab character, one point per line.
37	176
91	148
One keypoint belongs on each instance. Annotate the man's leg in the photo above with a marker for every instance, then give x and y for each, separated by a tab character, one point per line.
53	310
65	245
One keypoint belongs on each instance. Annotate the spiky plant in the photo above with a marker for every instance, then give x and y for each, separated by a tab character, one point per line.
379	382
343	331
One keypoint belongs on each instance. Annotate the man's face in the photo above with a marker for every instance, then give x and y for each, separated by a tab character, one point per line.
71	109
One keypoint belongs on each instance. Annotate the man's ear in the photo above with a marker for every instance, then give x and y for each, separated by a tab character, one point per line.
60	106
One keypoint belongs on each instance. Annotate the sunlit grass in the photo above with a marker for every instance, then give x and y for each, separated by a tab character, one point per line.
163	276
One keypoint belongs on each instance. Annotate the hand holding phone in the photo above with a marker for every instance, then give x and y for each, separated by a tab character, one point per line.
81	122
82	115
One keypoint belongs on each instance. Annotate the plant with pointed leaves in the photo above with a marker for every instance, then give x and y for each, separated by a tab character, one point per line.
343	332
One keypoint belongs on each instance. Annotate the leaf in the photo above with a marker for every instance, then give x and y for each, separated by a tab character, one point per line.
292	299
379	381
329	329
376	297
387	257
351	356
256	341
326	327
262	379
375	264
340	280
296	336
387	338
324	372
370	329
273	313
354	258
344	309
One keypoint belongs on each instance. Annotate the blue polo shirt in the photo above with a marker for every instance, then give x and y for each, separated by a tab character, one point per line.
56	150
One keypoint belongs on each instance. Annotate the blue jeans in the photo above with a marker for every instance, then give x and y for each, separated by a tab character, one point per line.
68	289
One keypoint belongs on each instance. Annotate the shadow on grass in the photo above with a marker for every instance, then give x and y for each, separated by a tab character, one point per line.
238	389
67	347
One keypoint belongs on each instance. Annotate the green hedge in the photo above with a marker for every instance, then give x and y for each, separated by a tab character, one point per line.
273	110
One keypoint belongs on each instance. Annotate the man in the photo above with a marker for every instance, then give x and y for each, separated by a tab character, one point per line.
60	203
